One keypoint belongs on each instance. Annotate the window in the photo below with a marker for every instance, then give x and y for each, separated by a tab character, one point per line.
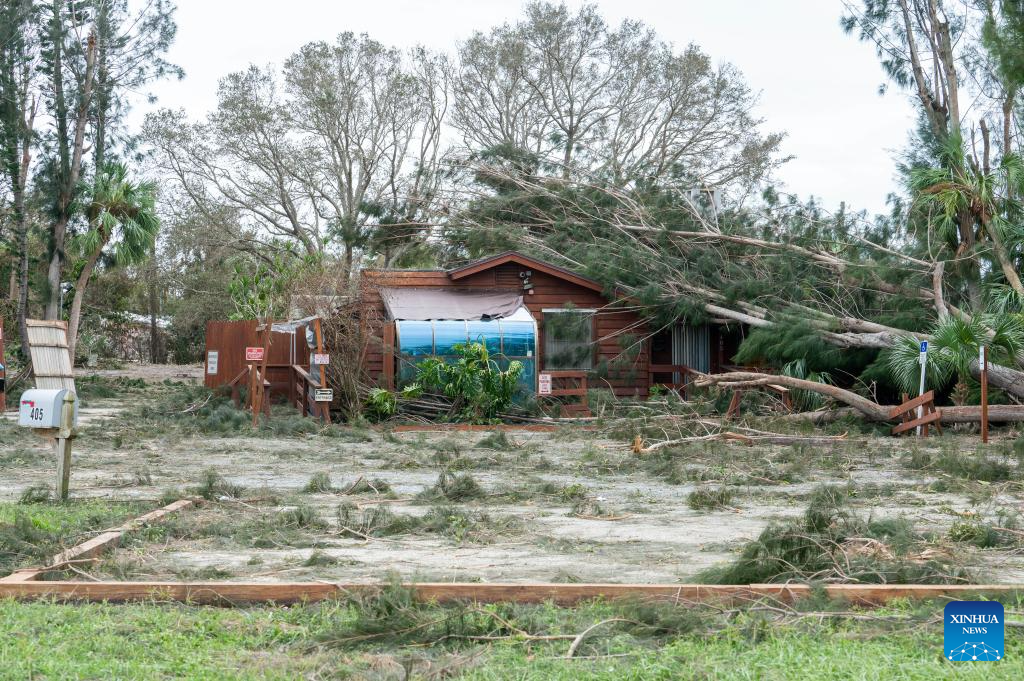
568	339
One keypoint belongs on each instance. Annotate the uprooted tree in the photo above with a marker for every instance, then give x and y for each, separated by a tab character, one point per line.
836	291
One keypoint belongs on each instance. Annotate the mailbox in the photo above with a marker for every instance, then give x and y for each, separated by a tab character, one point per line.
44	408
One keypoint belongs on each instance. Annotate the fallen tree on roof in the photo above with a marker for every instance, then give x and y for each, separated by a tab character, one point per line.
837	291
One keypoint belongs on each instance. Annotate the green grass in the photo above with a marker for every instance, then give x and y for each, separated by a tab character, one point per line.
32	533
375	638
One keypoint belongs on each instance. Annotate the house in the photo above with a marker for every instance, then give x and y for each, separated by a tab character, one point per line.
546	316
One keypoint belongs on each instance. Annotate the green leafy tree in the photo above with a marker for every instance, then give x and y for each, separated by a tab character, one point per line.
962	189
479	389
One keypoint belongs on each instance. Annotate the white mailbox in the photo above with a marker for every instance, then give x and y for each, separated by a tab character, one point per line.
44	408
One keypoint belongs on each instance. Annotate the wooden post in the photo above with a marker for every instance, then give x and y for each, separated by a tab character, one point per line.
65	434
261	375
63	467
388	355
984	394
3	374
323	407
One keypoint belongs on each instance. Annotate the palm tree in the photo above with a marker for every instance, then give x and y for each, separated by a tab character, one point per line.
975	202
120	211
954	349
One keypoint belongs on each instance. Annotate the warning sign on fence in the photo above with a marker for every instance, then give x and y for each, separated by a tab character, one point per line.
544	384
254	354
321	358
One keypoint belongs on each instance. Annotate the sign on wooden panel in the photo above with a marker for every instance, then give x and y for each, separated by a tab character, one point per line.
544	384
323	395
254	354
212	358
321	358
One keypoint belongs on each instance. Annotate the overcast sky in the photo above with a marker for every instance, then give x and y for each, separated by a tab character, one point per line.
817	84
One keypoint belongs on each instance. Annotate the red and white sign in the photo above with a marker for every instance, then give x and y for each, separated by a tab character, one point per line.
321	358
544	384
254	354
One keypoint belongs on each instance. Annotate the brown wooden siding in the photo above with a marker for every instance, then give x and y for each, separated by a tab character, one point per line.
629	377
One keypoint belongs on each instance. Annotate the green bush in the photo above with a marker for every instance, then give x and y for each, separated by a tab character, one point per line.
479	390
320	483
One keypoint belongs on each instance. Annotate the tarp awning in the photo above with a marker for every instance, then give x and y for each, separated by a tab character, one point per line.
431	303
290	326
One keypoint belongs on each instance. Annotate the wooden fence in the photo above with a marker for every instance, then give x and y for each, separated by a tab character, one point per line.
229	341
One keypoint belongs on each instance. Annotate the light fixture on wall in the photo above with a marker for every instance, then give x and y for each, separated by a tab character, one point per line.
525	276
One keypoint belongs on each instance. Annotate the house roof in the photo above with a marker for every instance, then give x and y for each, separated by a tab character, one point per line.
526	261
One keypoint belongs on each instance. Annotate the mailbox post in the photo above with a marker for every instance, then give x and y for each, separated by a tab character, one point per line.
53	413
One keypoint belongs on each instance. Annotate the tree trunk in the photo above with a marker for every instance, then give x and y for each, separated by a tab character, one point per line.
154	331
22	227
743	379
72	167
1009	271
1009	380
76	303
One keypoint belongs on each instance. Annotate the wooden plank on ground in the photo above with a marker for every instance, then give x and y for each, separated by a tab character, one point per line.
23	575
238	593
111	538
88	549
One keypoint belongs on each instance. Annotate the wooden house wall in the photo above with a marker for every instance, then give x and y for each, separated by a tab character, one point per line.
612	325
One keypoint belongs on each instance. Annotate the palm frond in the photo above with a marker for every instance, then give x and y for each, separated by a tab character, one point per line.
905	368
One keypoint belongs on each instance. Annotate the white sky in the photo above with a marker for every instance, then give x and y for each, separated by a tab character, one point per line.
817	84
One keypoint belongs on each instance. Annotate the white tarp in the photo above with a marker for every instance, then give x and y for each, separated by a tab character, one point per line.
421	304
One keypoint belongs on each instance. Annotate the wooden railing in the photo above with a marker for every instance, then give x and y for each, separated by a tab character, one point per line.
303	386
680	370
571	384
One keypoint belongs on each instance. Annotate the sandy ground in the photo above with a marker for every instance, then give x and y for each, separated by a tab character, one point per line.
646	531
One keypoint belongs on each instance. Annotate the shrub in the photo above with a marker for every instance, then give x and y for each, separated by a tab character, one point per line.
709	498
213	486
320	483
36	494
478	388
830	543
981	535
301	516
364	486
453	488
319	558
497	440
